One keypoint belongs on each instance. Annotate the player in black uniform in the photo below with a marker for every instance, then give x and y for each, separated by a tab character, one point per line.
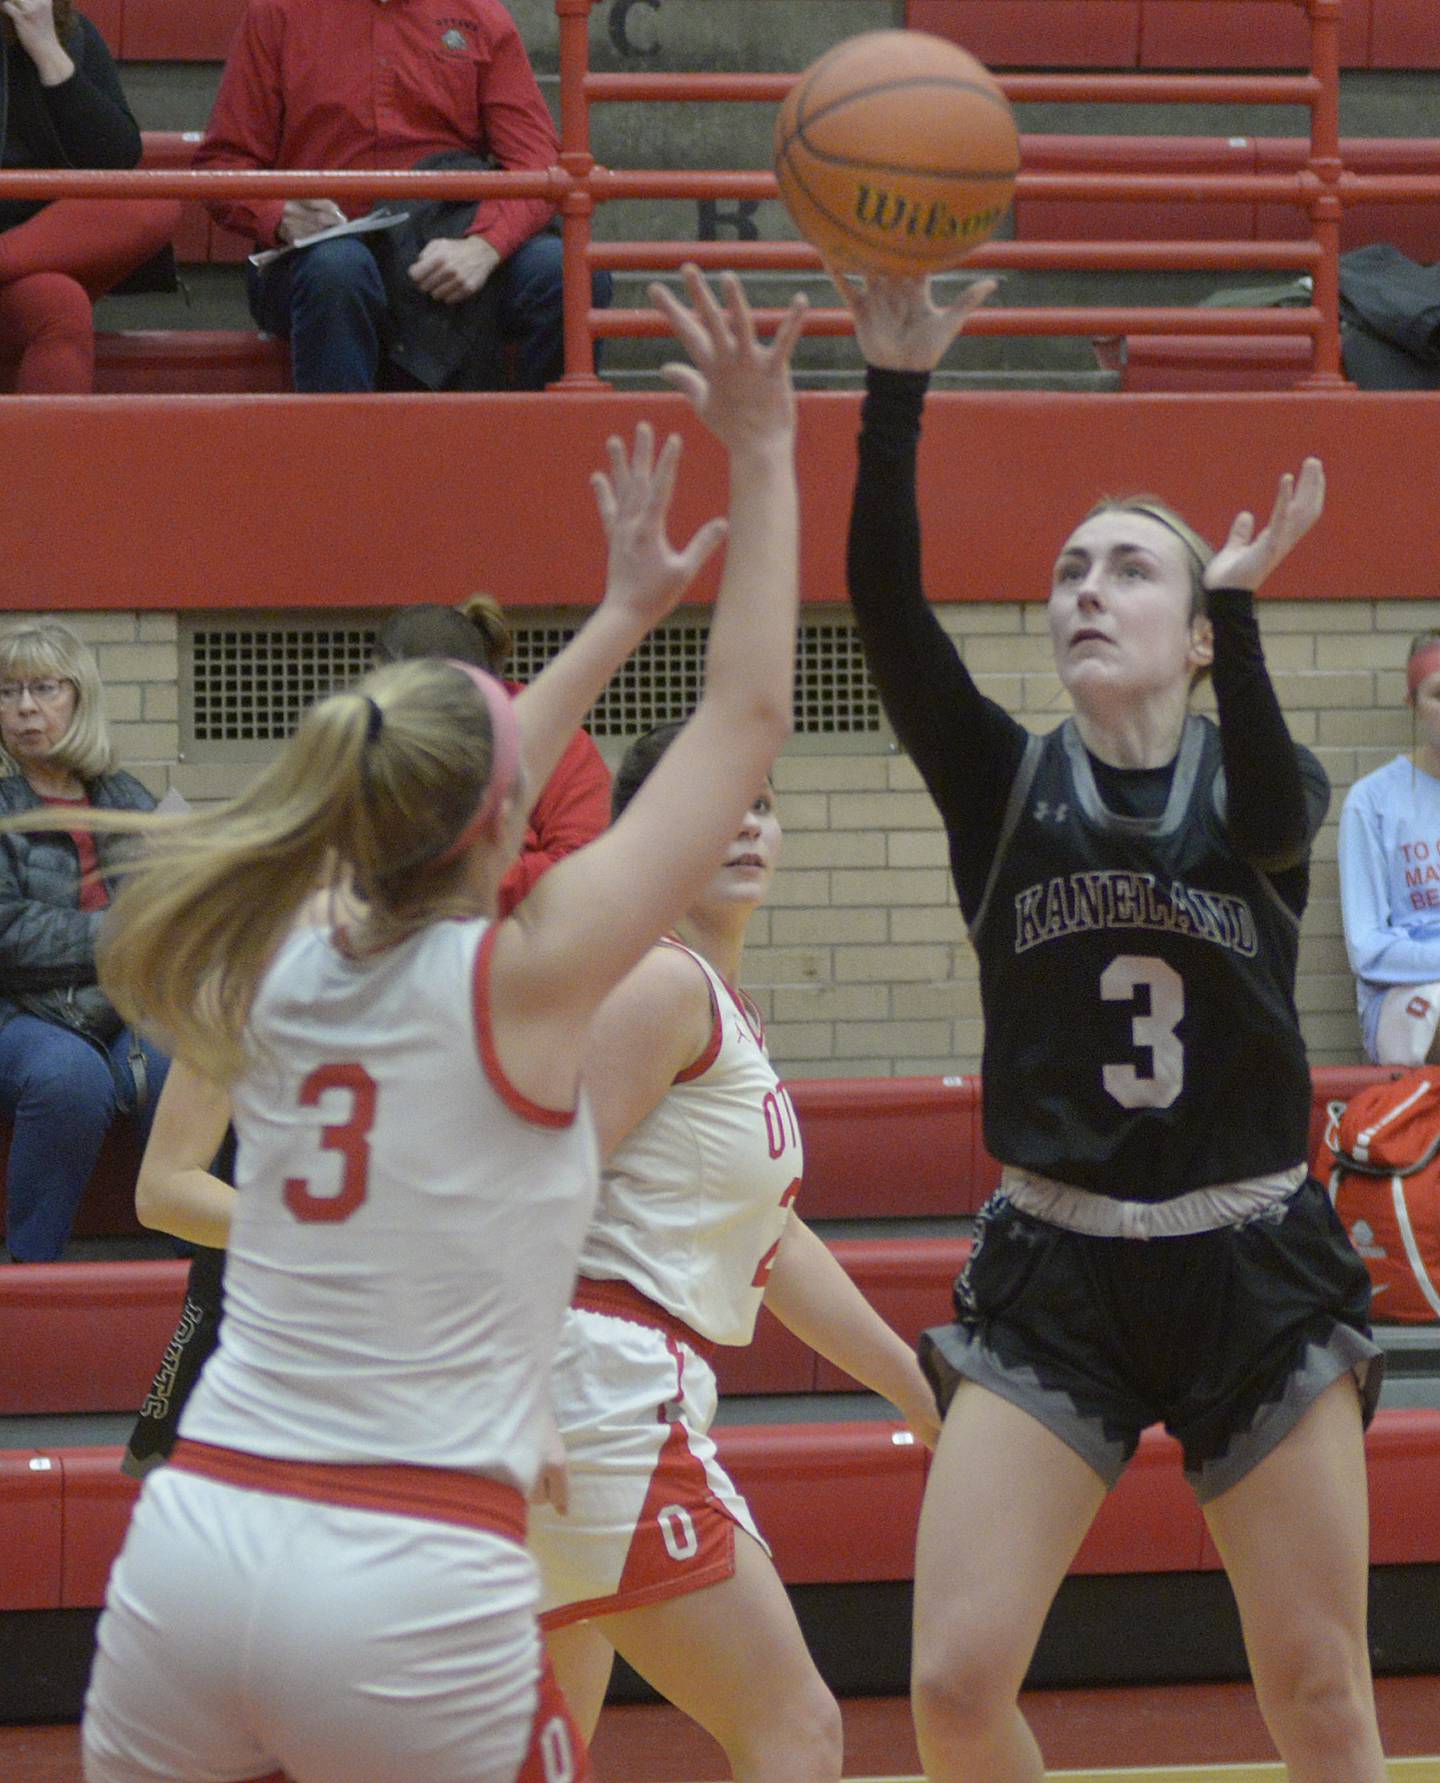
1133	883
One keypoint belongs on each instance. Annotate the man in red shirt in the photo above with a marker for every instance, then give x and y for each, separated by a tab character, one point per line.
336	84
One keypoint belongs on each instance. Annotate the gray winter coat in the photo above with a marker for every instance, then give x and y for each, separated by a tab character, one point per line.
47	943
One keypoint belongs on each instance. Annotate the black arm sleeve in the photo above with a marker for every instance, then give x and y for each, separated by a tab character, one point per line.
966	747
1276	794
89	112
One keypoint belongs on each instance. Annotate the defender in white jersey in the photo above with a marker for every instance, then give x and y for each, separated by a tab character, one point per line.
658	1556
328	1580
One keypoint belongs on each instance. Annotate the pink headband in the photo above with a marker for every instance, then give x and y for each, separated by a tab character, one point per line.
1421	666
504	758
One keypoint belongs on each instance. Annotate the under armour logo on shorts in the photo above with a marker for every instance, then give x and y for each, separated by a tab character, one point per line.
1419	1007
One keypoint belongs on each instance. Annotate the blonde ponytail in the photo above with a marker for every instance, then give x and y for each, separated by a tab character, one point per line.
372	790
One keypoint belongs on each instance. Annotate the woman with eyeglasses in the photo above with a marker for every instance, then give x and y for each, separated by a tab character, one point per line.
68	1063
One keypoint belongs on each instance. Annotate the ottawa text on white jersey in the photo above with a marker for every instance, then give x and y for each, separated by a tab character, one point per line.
694	1201
406	1226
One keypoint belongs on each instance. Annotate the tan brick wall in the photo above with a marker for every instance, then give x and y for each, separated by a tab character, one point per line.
861	963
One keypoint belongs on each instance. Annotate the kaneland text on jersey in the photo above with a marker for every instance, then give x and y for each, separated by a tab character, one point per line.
1118	898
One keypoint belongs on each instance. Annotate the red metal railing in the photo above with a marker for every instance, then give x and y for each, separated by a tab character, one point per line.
578	186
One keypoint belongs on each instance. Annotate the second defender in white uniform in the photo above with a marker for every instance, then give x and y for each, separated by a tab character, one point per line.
658	1556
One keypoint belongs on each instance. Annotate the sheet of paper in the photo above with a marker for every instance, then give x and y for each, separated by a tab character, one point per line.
366	225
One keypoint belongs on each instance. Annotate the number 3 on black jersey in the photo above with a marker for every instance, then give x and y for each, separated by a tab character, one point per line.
1154	1032
349	1137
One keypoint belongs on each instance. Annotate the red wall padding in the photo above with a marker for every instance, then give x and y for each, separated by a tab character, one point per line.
436	496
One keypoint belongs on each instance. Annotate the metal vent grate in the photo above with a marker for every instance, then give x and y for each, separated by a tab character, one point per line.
250	684
253	686
834	695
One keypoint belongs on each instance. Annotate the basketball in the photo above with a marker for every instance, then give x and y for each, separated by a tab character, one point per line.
896	152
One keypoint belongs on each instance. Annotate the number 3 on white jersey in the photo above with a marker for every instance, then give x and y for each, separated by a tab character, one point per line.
1158	1087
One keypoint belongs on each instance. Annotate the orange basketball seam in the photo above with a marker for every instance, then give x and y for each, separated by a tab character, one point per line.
804	120
830	158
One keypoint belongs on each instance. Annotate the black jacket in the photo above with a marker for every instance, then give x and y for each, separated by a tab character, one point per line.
444	346
47	943
84	122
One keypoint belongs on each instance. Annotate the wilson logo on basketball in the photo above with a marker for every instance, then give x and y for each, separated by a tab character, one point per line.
895	214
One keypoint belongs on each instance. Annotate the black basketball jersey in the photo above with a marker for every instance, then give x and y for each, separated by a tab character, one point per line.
1138	980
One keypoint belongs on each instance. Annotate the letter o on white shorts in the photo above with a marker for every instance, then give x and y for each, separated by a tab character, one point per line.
652	1511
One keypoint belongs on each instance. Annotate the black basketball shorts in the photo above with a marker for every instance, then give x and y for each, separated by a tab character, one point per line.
1226	1338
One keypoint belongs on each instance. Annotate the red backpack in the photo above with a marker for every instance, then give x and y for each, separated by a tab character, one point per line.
1381	1159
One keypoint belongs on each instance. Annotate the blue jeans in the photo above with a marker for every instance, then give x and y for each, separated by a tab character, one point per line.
61	1093
329	303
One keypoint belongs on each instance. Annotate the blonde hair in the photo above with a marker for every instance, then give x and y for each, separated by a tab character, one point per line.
42	647
373	788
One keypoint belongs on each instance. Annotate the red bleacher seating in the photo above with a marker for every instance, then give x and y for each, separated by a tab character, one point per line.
812	1486
224	362
906	1147
108	1205
1403	34
32	1528
1176	34
1036	33
1173	362
883	1145
1415	227
1163	362
906	1280
166	30
190	361
1181	34
85	1337
89	1334
1042	219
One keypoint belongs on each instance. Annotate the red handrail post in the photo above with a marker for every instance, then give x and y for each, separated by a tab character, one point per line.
577	204
1324	201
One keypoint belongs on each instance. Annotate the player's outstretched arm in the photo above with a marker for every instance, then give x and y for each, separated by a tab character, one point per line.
812	1296
1247	557
645	578
175	1191
898	324
593	916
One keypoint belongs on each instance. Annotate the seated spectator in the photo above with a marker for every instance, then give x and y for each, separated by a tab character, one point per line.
68	1065
327	84
1390	880
61	106
574	803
